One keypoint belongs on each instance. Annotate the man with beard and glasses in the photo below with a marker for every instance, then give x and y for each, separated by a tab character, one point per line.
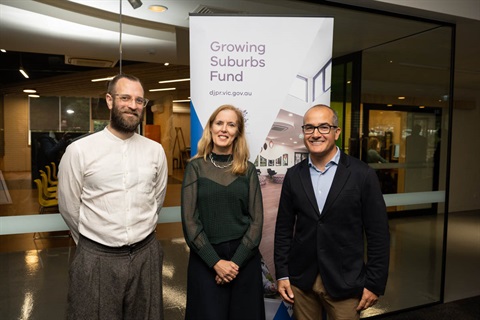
111	188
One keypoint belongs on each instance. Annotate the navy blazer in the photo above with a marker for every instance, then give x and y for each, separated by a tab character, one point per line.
333	244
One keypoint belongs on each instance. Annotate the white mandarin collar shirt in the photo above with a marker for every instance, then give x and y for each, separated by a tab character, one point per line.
111	190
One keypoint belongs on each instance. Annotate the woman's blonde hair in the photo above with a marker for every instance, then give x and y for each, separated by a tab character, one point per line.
240	148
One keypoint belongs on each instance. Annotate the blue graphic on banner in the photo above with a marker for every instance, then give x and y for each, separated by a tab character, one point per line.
196	129
283	312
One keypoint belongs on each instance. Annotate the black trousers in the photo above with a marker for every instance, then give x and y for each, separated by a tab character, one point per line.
116	283
240	299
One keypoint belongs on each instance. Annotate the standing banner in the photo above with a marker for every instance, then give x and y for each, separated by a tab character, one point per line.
273	68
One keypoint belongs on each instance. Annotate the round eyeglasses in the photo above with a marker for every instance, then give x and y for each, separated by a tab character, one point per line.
139	101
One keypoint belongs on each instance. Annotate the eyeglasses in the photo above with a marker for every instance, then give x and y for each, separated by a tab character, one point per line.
323	128
139	101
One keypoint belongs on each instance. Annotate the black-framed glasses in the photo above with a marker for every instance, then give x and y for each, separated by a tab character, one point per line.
323	128
139	101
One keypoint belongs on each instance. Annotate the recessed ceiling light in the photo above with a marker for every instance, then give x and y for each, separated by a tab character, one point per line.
3	50
23	72
174	80
102	79
162	89
29	90
34	96
157	8
401	98
166	64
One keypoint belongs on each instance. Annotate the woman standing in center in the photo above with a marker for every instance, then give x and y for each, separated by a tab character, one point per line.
222	218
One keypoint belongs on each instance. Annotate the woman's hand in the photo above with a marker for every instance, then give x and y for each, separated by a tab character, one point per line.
226	271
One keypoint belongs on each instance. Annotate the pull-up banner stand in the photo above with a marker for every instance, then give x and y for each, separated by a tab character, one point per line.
271	68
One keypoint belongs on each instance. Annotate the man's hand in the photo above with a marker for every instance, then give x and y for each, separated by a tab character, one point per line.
285	290
226	271
368	299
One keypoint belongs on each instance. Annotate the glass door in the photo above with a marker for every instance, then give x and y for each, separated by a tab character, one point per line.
403	145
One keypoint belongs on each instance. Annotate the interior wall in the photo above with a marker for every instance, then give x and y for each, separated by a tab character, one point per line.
17	151
465	169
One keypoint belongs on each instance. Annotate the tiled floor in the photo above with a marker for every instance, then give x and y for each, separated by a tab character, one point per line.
33	273
35	282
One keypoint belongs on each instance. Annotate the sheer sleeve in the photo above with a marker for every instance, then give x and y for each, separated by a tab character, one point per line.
252	237
192	226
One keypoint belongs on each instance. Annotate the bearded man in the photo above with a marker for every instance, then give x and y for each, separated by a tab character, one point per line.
111	188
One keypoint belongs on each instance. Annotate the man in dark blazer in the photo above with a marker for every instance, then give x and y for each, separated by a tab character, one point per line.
331	208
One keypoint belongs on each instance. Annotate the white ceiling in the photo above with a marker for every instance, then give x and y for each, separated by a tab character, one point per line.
89	29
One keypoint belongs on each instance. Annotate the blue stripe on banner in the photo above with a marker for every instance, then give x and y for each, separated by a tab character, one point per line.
196	130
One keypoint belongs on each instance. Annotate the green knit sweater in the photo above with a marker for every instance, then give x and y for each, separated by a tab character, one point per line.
218	206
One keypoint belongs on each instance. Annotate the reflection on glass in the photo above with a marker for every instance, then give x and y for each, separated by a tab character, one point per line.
75	114
44	114
409	132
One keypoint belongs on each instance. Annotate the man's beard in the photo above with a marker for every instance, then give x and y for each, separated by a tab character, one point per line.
121	124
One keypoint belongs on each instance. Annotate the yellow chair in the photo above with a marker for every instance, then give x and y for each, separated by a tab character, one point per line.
54	171
48	192
44	203
51	182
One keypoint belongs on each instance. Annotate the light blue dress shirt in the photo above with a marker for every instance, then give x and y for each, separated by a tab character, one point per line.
322	180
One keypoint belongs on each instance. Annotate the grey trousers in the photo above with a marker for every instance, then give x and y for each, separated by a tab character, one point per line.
116	283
